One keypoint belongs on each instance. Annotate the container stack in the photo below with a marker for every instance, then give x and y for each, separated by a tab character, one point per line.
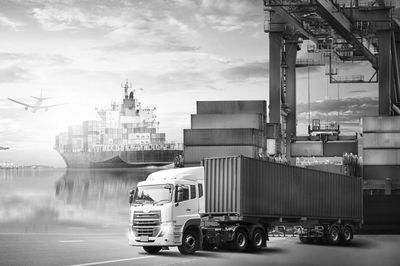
62	142
381	172
225	128
381	148
75	134
91	134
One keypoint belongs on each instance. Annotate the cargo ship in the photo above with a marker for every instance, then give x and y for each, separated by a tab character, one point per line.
126	135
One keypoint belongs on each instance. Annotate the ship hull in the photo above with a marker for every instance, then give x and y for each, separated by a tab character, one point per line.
116	159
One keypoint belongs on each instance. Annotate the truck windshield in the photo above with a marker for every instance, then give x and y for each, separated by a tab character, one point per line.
153	194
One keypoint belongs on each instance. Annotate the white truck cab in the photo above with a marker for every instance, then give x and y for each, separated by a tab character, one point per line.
164	210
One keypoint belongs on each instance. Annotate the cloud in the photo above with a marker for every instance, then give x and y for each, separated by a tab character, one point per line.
10	24
58	17
350	109
14	74
248	70
227	16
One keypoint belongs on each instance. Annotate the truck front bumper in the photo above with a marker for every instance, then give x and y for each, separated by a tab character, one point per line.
164	238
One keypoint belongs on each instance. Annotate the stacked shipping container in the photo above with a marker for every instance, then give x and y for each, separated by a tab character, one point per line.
381	170
225	128
381	147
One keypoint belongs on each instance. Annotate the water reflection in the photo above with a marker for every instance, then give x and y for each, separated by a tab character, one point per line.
98	188
54	199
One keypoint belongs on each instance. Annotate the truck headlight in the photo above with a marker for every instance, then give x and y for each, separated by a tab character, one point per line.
165	227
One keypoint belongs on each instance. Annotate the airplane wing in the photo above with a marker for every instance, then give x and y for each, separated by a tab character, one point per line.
48	106
24	104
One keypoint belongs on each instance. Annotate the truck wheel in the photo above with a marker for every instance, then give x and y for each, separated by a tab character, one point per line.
241	240
258	239
152	249
347	234
334	235
190	243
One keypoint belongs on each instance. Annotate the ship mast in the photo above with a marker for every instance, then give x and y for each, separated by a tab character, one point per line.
126	87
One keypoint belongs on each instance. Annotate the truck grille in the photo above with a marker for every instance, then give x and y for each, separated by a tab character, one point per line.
146	223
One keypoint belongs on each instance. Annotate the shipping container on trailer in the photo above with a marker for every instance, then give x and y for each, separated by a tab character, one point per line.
258	188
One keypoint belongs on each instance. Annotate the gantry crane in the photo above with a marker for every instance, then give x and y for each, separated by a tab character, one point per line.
349	31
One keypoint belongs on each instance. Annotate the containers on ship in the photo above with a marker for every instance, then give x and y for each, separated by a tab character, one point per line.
75	130
214	121
62	141
256	188
91	127
223	137
157	138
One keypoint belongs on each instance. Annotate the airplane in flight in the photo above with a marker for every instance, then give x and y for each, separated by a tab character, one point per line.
37	105
4	148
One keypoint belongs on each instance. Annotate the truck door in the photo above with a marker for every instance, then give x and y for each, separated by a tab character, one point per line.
186	207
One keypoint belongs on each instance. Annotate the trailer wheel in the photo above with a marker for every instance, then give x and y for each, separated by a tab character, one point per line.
258	239
347	234
241	240
152	249
190	243
334	235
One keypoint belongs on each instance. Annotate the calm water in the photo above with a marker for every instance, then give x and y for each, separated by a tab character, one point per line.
45	200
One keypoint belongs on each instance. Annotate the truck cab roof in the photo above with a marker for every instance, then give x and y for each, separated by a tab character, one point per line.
171	175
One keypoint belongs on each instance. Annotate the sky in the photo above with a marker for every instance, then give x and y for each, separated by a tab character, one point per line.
178	51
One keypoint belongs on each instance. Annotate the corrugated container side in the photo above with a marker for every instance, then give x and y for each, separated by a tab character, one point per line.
381	140
194	154
277	190
210	121
336	148
307	148
232	107
223	137
381	156
381	124
381	172
223	185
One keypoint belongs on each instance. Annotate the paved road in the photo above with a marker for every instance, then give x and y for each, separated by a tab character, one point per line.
82	246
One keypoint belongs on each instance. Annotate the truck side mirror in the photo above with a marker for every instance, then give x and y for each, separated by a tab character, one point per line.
131	194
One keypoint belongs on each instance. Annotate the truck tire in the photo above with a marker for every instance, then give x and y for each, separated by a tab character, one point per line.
190	243
152	249
258	239
240	240
334	235
347	234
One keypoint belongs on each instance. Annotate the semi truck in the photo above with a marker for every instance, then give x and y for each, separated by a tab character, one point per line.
234	201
